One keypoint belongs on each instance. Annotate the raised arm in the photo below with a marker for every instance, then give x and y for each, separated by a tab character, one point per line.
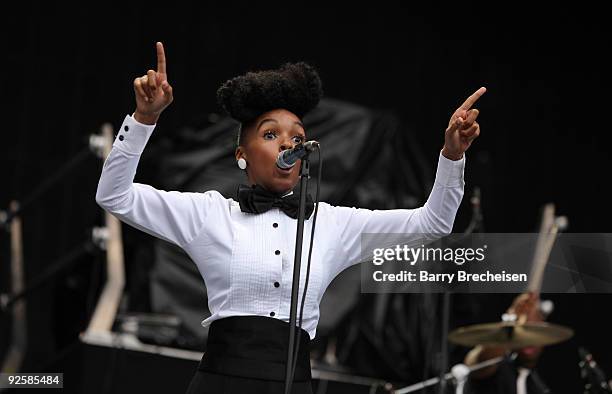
436	217
173	216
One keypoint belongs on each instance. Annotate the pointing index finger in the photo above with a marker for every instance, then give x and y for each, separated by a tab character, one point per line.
473	98
161	58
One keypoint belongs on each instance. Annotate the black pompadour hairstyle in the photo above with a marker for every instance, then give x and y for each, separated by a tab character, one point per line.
295	87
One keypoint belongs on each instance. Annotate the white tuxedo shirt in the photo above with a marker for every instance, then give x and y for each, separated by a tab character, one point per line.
246	260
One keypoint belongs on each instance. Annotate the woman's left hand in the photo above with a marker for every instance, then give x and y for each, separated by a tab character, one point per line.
462	128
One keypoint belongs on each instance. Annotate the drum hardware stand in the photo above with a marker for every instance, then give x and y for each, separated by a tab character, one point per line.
459	374
474	226
595	380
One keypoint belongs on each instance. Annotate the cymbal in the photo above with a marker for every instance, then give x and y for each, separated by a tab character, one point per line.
511	334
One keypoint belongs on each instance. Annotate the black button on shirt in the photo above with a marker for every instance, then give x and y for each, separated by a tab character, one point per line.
276	284
120	138
275	225
126	128
272	313
277	252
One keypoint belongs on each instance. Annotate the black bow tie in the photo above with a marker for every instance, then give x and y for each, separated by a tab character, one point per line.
256	199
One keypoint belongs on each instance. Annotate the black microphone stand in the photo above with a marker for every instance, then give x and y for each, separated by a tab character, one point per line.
304	176
474	226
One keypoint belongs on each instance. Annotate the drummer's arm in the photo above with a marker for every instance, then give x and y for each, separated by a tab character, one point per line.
524	305
480	354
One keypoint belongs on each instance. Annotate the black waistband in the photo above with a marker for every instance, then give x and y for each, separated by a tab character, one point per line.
254	347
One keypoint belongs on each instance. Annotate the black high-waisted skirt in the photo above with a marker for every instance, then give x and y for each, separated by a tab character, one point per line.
248	354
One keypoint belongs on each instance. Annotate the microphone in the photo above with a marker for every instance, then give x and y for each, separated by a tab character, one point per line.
287	158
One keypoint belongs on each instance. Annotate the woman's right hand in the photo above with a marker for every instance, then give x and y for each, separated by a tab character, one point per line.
153	92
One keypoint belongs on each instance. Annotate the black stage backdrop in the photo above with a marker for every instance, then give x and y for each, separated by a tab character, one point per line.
544	119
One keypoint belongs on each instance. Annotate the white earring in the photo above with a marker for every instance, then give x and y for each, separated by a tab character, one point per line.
242	164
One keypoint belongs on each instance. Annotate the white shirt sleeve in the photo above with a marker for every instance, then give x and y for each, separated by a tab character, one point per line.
433	220
173	216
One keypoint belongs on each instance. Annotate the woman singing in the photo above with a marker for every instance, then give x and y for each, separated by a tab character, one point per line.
244	248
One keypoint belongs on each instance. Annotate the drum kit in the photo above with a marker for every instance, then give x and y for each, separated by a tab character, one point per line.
515	332
510	335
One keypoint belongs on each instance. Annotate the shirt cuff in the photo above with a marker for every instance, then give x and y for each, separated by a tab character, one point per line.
133	136
450	172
